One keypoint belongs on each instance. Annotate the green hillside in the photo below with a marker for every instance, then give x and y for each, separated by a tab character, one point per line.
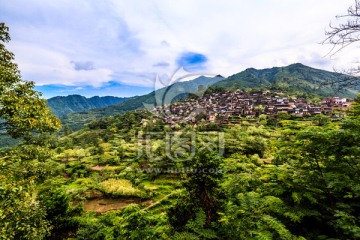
76	103
293	78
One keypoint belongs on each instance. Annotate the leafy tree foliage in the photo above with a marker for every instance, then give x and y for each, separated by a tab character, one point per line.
21	216
354	111
22	114
58	211
196	209
321	119
21	108
131	223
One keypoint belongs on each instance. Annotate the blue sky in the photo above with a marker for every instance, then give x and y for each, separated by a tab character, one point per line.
118	48
111	88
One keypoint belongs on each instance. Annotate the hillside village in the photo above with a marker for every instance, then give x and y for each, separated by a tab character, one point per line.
228	107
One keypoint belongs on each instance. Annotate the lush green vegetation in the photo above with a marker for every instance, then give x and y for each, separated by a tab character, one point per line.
297	179
118	179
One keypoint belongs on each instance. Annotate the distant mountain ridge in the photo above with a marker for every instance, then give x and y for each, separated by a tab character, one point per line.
295	78
76	103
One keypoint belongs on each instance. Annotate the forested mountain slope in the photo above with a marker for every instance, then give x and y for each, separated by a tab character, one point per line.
293	78
61	105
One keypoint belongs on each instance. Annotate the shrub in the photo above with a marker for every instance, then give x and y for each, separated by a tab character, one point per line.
120	187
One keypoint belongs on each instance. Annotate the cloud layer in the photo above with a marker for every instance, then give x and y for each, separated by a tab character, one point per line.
91	44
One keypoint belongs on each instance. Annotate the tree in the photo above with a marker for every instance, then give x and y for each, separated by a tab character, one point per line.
354	111
21	108
21	216
131	223
202	199
23	114
341	35
344	34
59	211
282	116
260	108
67	130
316	175
321	119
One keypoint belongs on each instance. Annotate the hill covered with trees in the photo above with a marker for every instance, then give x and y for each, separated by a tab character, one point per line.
61	105
296	78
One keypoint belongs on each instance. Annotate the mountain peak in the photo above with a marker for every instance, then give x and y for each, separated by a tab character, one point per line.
291	66
298	65
250	69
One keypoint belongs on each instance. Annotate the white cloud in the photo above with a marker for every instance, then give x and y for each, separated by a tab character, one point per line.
45	66
126	40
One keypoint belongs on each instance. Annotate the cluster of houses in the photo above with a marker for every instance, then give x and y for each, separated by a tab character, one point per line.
229	107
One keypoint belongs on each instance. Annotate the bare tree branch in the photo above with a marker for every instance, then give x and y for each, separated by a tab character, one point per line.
341	35
344	34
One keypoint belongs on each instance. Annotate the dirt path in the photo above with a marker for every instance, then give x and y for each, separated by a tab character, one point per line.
103	204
